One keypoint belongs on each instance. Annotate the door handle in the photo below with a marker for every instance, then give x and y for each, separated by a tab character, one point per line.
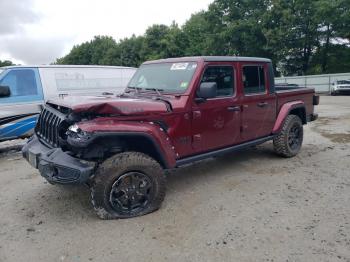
262	104
234	108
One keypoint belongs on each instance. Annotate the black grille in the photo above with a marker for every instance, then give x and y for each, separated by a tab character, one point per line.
48	126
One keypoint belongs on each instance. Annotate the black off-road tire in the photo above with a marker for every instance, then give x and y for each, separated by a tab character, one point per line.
281	141
115	167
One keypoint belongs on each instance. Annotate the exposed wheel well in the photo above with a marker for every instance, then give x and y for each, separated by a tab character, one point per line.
107	145
144	145
300	112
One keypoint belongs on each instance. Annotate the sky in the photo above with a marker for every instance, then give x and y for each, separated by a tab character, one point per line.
39	31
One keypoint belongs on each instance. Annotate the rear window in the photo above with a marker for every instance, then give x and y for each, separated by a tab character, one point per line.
254	79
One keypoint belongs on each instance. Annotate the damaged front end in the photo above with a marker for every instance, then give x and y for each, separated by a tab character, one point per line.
72	139
90	145
55	165
47	150
58	127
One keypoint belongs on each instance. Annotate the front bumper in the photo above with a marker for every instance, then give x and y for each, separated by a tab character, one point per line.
56	166
341	90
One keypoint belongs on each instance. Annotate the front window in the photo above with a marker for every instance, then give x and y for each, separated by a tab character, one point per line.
21	82
167	77
223	77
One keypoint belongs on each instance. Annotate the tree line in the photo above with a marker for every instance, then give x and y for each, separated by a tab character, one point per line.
5	63
300	36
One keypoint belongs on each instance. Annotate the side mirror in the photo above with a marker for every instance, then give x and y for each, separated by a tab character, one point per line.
206	90
5	91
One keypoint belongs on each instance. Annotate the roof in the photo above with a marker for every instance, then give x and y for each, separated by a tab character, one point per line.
67	66
210	59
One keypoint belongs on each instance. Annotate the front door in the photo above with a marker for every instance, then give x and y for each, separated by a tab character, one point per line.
216	121
258	104
19	111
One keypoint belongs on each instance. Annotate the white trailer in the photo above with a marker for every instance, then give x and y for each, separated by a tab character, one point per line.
23	89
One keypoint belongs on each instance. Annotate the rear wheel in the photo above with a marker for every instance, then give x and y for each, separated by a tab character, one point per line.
288	142
127	185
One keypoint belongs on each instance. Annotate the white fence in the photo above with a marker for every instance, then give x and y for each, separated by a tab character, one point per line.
321	83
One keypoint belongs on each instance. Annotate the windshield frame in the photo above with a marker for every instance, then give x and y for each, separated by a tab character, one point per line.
153	90
2	71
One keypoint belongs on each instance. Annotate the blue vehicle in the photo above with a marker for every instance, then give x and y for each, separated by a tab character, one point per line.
24	89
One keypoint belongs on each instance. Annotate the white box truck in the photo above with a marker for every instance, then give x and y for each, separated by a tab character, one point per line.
23	89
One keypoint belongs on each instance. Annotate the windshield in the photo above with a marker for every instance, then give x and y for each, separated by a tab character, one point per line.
343	82
1	71
167	77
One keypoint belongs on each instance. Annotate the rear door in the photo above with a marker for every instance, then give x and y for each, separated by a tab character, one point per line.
216	121
258	103
19	111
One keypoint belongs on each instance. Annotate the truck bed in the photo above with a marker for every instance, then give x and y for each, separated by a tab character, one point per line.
285	95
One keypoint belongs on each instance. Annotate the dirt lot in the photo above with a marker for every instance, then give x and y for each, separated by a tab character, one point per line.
248	206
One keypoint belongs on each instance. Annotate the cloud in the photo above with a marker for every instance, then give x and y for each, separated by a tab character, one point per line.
32	50
39	31
15	14
18	41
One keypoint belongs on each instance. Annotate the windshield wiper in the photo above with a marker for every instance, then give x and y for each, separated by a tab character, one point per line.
136	89
155	89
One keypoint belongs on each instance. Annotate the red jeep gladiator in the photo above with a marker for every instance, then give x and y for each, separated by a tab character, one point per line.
173	112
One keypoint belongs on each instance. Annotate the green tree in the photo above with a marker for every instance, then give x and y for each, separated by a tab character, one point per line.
79	55
175	42
5	63
154	46
94	52
130	51
196	31
236	27
334	24
300	36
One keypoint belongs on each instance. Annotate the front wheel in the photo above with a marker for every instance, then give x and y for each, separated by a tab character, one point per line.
127	185
288	142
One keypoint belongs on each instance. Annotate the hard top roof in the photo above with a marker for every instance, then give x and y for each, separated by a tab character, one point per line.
67	66
210	59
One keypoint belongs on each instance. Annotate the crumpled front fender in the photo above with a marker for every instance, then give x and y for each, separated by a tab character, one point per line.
148	130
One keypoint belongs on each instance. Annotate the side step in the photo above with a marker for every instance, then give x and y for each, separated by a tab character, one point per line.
222	151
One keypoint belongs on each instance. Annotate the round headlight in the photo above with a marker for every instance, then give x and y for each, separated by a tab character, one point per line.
74	128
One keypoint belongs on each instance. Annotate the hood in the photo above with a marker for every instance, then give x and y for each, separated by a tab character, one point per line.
113	105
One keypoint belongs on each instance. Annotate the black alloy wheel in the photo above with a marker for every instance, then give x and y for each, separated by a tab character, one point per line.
128	184
290	139
130	193
294	136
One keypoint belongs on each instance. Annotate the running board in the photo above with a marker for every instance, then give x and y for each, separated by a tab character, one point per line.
222	151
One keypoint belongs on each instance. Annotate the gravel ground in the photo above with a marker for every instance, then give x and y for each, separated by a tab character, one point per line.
247	206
